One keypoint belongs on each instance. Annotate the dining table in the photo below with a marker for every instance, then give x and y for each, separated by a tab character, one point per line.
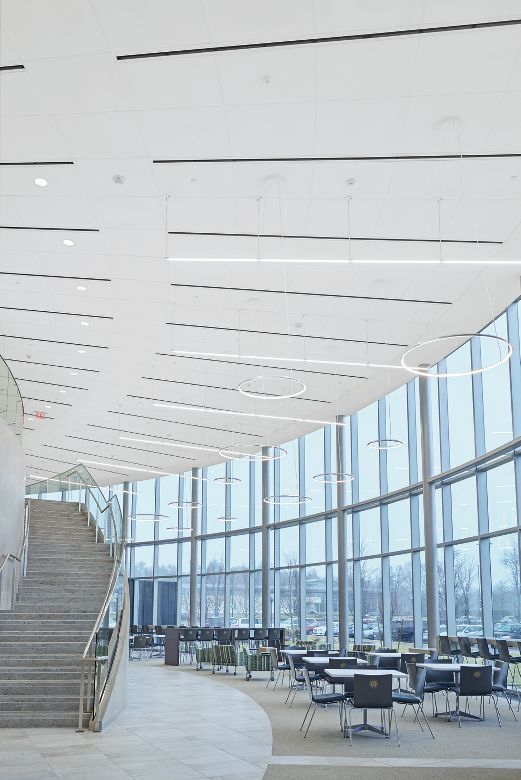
455	668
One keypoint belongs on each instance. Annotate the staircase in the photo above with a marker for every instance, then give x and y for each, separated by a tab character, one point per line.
42	640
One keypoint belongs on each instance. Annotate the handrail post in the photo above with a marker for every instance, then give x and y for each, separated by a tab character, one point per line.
82	696
97	695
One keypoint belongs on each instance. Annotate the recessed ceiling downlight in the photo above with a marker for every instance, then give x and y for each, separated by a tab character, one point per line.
68	242
40	181
81	288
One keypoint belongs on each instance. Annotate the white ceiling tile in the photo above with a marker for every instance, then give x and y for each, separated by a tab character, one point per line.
109	134
31	138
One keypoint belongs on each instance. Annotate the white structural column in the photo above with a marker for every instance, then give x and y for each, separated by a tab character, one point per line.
193	551
429	516
265	540
343	606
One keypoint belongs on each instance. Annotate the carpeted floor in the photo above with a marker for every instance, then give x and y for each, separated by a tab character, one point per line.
475	740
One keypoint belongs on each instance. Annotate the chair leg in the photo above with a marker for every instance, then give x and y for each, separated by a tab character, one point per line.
510	706
494	699
416	718
420	708
289	694
307	713
392	712
350	728
310	721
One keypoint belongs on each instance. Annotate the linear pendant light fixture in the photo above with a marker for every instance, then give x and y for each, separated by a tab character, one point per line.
342	261
303	361
251	415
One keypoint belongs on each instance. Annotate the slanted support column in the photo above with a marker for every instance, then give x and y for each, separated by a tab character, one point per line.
265	541
343	606
429	515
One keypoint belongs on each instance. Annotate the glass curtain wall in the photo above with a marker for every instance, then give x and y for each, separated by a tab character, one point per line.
476	423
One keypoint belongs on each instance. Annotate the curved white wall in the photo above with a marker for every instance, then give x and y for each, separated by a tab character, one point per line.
12	499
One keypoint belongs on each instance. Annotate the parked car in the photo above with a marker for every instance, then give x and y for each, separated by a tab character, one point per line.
320	630
470	630
508	631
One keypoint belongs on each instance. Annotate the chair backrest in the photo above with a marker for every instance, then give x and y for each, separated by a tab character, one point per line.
373	692
386	650
293	670
158	630
139	642
484	649
224	636
412	671
206	634
260	633
464	646
342	663
500	673
307	682
475	680
146	629
411	658
388	663
444	645
134	629
502	650
312	653
242	634
419	683
188	634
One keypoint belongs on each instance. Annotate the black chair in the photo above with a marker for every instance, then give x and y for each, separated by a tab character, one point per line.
260	634
372	693
134	629
320	698
392	664
297	679
282	667
206	635
140	644
438	682
475	681
504	655
342	663
414	699
386	650
499	682
187	639
446	647
465	648
484	649
224	636
242	634
410	658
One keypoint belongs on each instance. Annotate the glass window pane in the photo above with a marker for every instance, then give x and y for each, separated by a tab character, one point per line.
145	505
402	624
240	600
240	493
290	602
214	592
215	555
464	508
185	557
368	458
258	549
166	559
501	491
370	532
399	518
314	466
397	428
239	552
166	602
289	479
289	546
467	587
497	405
316	601
169	492
143	561
315	542
460	405
215	498
506	586
371	599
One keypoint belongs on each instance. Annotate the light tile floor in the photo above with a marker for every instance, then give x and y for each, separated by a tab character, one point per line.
175	726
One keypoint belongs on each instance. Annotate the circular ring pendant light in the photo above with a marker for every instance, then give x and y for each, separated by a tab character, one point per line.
186	504
333	477
250	453
385	444
227	480
289	499
226	519
284	387
148	517
503	344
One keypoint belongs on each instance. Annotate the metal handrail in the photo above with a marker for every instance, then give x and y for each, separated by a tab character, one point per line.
20	558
